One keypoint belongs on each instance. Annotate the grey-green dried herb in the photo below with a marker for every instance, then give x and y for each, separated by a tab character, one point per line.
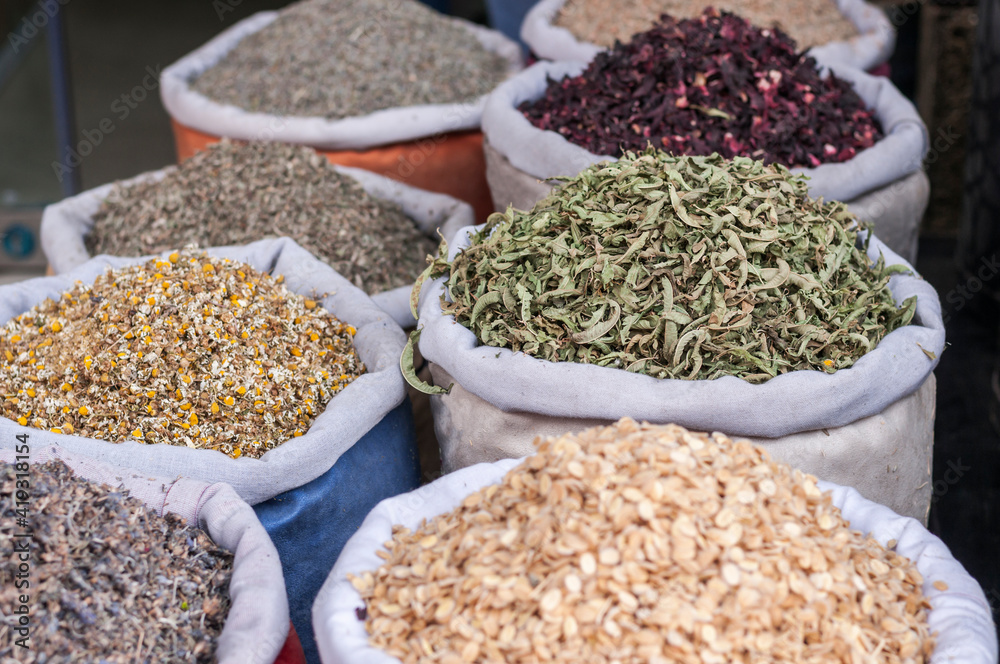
809	22
236	193
193	351
346	58
676	267
111	580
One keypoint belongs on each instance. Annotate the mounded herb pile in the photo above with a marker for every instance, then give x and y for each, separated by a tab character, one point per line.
237	193
643	544
709	84
676	267
112	581
345	58
192	350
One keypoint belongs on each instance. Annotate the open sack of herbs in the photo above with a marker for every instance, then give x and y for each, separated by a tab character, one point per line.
850	32
640	543
372	230
129	568
341	74
711	84
192	362
709	292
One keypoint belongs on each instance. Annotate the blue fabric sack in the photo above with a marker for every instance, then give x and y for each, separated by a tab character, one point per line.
309	525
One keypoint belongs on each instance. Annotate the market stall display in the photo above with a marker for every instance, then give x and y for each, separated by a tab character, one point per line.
171	374
751	308
734	89
389	86
125	563
374	231
849	32
646	543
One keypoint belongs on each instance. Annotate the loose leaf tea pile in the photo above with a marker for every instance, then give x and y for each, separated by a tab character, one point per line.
345	58
111	580
704	85
194	351
236	193
808	22
645	544
676	267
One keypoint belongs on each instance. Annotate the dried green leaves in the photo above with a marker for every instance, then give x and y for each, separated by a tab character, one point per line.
676	267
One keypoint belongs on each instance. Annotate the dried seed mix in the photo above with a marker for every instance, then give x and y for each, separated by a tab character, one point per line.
112	581
190	350
808	22
709	84
345	58
640	543
676	267
236	193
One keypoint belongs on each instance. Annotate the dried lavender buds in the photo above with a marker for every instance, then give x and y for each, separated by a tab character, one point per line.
191	350
808	22
709	84
236	193
112	581
640	543
344	58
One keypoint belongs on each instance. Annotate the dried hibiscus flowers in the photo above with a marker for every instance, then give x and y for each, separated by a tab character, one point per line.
709	84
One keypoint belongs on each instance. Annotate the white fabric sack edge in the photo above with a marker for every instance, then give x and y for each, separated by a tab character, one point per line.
789	403
546	154
961	615
257	623
872	47
393	125
348	416
65	224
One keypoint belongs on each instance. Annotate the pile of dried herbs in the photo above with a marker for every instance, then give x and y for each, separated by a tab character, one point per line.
111	581
344	58
710	84
236	193
676	267
808	22
193	350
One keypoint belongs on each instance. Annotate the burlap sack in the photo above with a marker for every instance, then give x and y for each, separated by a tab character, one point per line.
355	410
435	146
871	47
257	623
66	224
960	614
311	492
870	426
519	156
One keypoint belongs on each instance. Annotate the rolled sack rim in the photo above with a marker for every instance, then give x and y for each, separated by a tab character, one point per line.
960	614
794	402
871	47
257	590
66	224
384	127
347	417
546	154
